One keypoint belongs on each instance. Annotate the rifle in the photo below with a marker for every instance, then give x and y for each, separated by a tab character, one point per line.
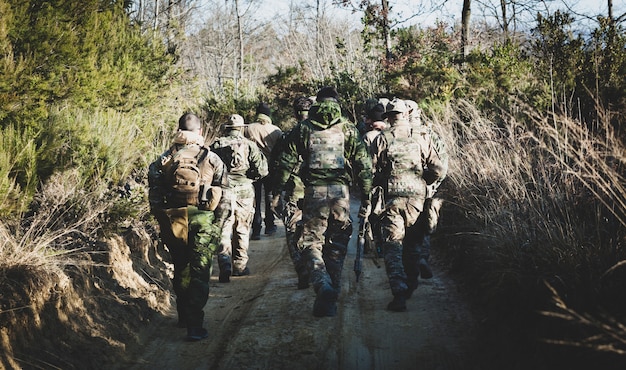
360	245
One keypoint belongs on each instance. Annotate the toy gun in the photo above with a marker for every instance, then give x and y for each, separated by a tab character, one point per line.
360	246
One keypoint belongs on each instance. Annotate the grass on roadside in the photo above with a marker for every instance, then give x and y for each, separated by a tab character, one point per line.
531	200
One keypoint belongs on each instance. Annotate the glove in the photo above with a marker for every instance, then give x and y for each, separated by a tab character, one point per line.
276	206
275	201
366	208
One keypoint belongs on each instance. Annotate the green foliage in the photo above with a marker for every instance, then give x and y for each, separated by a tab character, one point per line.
18	177
84	52
495	76
424	66
559	57
283	87
65	53
606	61
582	75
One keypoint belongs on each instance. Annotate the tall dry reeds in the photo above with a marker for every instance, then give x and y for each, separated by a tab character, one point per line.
534	199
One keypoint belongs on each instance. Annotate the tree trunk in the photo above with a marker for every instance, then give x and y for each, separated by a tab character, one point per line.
505	21
386	33
240	61
156	15
465	23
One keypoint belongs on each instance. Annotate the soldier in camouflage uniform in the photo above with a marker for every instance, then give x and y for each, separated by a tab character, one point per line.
408	164
429	218
332	150
265	134
294	198
245	164
375	124
186	222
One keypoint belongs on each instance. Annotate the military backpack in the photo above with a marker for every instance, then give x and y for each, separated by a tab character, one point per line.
183	175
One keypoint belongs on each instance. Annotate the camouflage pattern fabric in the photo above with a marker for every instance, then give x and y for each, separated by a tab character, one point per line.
190	234
332	155
399	221
245	161
233	252
293	233
296	149
235	238
409	172
326	232
192	239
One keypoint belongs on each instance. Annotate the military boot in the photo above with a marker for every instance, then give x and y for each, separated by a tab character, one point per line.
398	304
411	268
326	301
226	268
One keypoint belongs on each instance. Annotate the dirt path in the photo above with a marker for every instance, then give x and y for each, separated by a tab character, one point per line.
262	321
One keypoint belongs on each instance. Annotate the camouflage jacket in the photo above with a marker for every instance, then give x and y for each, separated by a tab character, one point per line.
253	164
325	117
408	161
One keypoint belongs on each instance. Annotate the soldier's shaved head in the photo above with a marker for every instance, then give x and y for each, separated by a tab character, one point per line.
189	122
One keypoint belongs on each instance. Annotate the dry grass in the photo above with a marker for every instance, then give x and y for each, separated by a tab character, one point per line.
533	199
64	219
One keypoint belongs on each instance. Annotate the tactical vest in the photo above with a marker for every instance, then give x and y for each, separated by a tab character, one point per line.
234	152
326	149
404	154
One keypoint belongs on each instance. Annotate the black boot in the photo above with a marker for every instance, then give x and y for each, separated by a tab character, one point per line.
398	304
325	302
424	268
225	268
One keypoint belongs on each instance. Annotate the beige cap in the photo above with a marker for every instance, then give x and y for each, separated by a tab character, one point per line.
396	106
234	120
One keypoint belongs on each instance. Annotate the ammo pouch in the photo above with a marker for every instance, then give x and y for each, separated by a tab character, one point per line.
210	197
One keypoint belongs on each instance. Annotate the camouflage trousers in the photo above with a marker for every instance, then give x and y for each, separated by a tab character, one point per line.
192	238
292	218
327	228
402	235
235	239
425	226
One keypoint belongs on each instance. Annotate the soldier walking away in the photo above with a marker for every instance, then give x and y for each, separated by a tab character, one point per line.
375	123
429	218
245	164
186	184
332	150
408	164
293	198
265	134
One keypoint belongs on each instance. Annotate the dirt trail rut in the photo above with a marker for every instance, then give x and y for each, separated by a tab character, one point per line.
262	321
